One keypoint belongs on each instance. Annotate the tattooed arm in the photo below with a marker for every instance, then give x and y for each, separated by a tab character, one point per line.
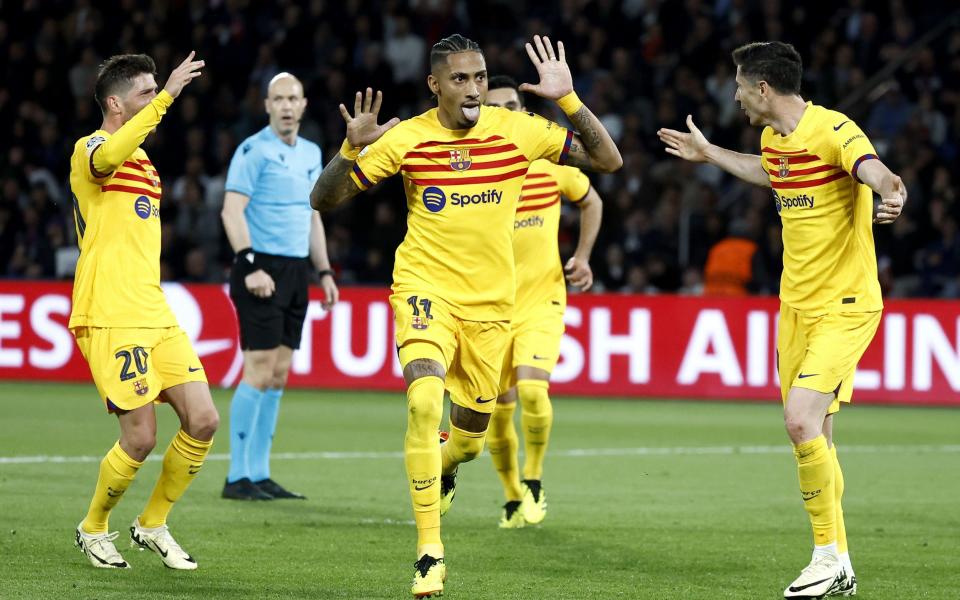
335	186
592	148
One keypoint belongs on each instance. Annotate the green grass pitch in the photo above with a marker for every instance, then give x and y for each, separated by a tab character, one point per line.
648	499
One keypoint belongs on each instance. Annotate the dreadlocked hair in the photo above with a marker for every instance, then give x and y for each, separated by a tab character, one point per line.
453	44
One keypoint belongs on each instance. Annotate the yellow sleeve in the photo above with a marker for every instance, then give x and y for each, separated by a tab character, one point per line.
106	154
573	184
537	137
844	144
380	159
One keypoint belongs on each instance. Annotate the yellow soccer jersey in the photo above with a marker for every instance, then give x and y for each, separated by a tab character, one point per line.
829	262
535	250
462	189
116	202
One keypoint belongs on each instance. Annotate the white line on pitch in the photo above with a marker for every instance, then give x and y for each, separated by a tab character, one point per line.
574	452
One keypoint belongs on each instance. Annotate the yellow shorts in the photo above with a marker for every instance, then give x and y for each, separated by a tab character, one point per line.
130	367
534	342
471	352
820	352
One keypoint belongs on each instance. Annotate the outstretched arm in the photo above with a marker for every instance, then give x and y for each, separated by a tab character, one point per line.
693	146
334	186
592	148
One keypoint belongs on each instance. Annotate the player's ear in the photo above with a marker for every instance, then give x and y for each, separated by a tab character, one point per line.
433	84
266	105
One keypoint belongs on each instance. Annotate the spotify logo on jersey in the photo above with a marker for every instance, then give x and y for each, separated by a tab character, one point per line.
434	199
142	207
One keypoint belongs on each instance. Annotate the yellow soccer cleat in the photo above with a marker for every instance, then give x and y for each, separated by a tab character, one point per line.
429	573
512	516
534	505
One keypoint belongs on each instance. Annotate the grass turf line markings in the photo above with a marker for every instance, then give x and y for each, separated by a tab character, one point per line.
571	453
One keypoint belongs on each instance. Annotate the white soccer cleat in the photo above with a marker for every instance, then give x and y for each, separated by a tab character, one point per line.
160	541
99	549
824	576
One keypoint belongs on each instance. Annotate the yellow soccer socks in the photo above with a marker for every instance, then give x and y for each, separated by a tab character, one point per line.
181	463
815	467
838	494
536	418
502	443
462	446
421	453
117	470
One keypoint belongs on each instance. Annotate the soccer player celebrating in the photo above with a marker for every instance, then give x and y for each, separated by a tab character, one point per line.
463	166
537	324
823	171
269	222
124	328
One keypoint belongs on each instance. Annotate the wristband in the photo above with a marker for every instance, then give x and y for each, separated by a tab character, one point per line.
246	260
324	272
349	152
570	103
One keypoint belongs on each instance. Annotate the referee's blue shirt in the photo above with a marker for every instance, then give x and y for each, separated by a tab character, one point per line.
277	178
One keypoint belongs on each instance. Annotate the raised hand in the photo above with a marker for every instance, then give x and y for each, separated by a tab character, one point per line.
688	146
362	128
891	205
555	78
183	74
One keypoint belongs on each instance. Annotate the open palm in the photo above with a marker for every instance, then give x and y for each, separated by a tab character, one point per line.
555	78
362	128
690	146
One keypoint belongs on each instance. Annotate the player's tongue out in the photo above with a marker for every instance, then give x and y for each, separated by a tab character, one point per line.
472	113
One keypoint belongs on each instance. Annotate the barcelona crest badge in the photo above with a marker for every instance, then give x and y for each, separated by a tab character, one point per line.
460	159
784	171
140	387
420	323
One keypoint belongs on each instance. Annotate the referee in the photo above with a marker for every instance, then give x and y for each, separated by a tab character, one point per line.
271	227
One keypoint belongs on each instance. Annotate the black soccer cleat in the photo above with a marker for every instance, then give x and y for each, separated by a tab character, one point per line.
276	490
244	489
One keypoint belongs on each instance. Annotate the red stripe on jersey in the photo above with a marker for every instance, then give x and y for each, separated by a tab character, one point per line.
463	142
473	152
775	151
537	175
538	196
144	161
129	177
798	172
133	165
537	186
471	180
130	189
493	164
793	185
538	206
796	160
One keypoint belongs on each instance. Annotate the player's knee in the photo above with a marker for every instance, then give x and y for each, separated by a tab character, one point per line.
204	424
534	397
140	442
798	428
467	447
279	379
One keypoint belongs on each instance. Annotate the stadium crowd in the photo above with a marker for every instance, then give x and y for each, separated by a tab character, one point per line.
640	64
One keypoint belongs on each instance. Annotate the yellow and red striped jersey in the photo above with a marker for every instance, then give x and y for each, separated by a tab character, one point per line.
829	261
462	188
116	201
535	250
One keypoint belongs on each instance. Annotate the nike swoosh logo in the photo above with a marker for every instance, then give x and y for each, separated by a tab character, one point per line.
538	357
800	588
194	369
837	127
480	400
804	376
420	489
193	470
